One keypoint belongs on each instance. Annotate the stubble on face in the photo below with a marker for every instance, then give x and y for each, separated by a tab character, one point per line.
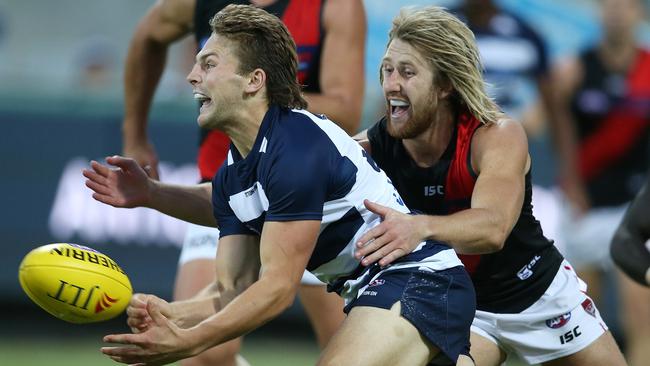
422	117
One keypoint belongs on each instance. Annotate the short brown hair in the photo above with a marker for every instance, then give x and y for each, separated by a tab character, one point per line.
449	46
264	43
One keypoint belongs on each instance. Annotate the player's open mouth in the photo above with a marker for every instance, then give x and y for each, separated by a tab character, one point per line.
203	99
398	108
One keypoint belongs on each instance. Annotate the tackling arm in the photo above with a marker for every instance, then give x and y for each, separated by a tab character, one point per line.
500	158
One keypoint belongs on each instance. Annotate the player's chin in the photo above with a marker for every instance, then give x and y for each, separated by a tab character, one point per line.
203	120
397	125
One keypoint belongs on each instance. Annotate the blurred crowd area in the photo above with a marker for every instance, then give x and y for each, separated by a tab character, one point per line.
61	65
73	49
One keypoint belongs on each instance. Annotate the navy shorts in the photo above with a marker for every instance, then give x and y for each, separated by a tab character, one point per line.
441	305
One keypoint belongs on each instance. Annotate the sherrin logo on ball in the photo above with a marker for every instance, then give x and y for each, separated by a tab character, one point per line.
75	283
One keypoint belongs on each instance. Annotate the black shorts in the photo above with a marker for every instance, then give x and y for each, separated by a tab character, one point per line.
440	304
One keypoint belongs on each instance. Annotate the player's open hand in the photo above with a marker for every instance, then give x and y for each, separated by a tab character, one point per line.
161	343
126	185
139	319
395	237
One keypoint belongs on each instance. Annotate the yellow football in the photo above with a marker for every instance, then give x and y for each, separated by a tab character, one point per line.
75	283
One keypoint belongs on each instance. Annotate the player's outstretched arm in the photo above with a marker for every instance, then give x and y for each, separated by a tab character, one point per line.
166	22
284	250
161	333
629	247
127	185
342	64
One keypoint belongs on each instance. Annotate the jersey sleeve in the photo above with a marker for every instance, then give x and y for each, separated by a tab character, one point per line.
227	221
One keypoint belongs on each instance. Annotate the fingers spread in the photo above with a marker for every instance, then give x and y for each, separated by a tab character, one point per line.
121	162
99	168
370	235
99	188
109	200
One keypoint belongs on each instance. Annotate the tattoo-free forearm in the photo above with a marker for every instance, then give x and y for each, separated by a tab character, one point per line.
189	203
261	302
472	231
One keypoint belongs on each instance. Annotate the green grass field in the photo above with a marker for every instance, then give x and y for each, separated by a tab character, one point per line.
70	352
259	351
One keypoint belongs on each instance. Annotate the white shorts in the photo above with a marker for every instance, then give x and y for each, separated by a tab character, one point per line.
562	322
588	237
201	242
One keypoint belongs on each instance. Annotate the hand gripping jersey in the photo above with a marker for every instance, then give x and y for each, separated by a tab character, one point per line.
612	114
507	281
303	19
304	167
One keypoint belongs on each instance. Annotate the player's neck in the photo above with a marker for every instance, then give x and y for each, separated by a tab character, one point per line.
427	148
244	128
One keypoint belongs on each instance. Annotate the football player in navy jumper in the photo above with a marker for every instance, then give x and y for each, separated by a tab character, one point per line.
290	197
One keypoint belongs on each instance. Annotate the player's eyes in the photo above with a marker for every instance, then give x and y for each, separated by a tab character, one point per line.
387	69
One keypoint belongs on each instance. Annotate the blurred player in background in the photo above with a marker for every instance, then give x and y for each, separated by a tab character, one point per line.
330	36
453	155
290	197
602	100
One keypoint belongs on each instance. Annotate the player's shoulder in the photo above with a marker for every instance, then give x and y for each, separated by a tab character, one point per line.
297	131
506	131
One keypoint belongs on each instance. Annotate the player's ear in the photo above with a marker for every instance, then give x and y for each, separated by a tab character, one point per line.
256	81
444	85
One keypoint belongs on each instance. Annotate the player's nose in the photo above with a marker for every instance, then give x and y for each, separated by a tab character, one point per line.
194	76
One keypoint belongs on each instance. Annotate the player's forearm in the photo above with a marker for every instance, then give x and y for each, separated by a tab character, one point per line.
261	302
345	111
188	203
144	66
471	231
188	313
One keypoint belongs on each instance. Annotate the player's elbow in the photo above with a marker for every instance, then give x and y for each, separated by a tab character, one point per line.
282	293
495	240
496	234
